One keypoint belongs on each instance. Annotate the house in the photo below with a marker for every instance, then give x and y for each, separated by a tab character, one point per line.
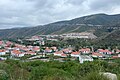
2	52
104	51
48	50
85	50
17	53
36	48
75	54
97	55
58	53
67	50
83	58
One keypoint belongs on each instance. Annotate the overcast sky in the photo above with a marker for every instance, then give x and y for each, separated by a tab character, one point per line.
23	13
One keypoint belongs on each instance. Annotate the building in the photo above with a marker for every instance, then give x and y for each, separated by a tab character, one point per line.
17	53
83	58
67	50
2	52
58	53
79	35
85	50
48	50
97	55
75	54
104	51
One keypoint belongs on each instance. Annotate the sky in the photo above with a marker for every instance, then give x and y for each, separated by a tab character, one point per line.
28	13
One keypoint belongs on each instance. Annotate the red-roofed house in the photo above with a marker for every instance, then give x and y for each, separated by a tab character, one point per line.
2	52
106	51
48	50
36	48
75	54
58	53
85	50
97	55
17	53
67	50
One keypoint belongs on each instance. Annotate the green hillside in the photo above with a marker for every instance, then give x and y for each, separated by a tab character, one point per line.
97	23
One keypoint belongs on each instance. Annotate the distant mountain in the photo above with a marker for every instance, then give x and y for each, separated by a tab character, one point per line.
99	24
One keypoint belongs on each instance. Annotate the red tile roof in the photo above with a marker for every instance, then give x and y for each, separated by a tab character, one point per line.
75	53
97	54
16	52
2	50
102	50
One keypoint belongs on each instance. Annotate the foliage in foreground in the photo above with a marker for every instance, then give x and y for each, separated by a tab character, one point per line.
37	70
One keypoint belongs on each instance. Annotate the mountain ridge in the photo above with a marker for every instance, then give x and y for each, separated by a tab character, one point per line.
81	24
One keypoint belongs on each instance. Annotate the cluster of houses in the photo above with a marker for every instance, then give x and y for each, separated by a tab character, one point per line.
83	54
17	50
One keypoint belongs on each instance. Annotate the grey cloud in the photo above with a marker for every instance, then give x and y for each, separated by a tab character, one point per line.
103	4
36	12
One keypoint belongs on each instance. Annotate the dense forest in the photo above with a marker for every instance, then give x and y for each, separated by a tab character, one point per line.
54	70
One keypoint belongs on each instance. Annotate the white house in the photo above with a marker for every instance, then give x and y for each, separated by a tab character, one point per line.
2	52
85	50
106	51
83	58
67	50
17	53
75	54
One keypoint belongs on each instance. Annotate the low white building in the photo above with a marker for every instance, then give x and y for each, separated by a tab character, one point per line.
83	58
2	52
85	35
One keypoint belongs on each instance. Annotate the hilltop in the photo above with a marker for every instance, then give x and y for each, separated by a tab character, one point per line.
100	24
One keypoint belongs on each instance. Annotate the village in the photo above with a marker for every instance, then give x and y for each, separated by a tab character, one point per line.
12	50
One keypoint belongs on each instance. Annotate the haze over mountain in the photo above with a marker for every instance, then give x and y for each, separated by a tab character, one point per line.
96	23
